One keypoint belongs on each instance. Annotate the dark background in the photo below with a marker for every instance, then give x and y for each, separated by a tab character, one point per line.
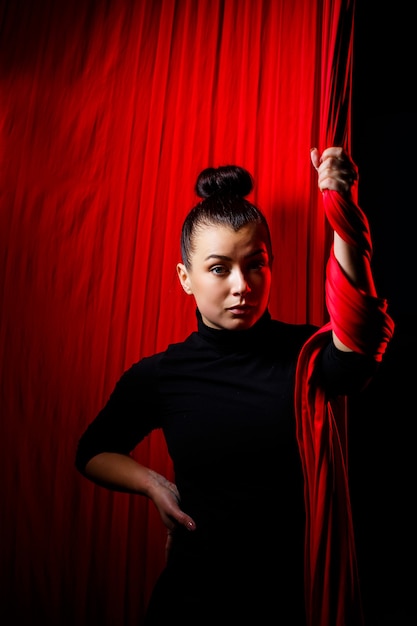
383	141
382	419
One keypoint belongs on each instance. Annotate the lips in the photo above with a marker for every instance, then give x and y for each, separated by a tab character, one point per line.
239	309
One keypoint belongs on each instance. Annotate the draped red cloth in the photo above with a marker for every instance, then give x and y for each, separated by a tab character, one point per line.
360	320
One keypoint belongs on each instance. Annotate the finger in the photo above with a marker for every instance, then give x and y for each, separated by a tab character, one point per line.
338	168
315	157
190	524
333	152
185	520
341	184
334	185
168	543
337	158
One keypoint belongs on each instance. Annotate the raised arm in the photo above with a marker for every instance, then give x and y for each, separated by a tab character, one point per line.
337	172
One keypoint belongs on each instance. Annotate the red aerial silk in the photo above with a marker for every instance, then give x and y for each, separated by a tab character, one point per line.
360	321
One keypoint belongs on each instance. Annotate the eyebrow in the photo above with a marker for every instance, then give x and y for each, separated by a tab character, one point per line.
223	257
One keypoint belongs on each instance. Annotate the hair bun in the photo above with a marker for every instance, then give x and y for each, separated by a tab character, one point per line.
226	180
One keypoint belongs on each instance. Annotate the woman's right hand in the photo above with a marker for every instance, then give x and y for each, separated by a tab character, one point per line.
166	498
120	472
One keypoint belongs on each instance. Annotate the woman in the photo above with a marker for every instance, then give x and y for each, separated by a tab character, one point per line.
225	400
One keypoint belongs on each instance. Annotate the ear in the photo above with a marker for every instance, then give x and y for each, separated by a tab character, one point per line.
184	278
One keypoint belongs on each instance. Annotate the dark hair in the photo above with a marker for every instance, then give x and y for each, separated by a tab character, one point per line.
223	190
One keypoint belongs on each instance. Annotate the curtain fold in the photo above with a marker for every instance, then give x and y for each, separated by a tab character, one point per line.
108	112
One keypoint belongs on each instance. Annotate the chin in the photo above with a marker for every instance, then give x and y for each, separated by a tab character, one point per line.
241	323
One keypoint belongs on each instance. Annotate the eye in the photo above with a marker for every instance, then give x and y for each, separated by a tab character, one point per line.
257	264
218	270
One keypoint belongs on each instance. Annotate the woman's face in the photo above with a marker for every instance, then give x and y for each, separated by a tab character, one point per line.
230	275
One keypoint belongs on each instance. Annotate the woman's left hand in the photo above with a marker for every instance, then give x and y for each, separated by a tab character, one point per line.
335	168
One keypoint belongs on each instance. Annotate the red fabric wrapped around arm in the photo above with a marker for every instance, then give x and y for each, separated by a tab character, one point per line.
360	320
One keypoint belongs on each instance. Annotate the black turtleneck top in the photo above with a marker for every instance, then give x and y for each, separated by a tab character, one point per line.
225	403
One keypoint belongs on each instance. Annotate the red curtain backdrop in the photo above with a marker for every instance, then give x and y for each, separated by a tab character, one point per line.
108	111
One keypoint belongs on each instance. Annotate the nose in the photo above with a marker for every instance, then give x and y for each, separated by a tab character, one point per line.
240	285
